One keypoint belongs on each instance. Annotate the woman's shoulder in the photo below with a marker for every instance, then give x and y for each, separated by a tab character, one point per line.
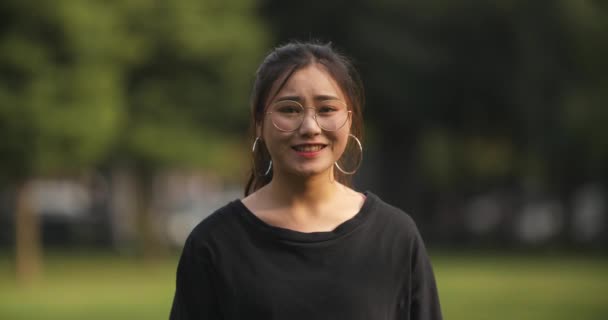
390	214
220	222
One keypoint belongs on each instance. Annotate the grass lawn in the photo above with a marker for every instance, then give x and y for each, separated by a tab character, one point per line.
482	286
522	287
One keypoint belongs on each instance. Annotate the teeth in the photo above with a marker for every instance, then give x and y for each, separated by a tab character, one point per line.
309	148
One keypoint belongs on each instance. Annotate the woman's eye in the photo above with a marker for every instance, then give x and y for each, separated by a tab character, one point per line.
326	109
289	109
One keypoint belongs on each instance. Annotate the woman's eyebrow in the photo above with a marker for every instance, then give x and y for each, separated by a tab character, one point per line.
325	97
289	98
322	97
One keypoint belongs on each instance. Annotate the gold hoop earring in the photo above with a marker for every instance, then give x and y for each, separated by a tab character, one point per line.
360	158
255	143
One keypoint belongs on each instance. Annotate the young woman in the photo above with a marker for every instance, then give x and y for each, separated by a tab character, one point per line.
303	244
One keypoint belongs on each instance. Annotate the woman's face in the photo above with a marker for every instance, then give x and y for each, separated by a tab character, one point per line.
308	150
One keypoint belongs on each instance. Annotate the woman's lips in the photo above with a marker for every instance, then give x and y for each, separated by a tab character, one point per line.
308	150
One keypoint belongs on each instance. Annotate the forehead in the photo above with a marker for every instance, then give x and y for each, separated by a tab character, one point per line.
309	82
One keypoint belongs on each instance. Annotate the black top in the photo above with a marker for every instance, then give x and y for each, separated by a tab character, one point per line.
374	266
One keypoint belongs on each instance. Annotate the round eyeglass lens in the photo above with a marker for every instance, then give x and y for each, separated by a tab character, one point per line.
330	115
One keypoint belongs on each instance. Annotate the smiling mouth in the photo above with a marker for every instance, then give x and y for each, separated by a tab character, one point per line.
309	147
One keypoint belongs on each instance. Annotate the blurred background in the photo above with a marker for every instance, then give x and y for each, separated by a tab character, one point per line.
123	123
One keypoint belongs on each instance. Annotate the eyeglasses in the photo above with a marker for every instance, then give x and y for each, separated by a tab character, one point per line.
288	115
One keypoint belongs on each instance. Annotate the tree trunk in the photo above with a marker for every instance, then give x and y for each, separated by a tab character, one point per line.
150	242
28	248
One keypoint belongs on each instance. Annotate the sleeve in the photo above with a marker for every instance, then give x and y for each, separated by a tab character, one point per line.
194	297
424	297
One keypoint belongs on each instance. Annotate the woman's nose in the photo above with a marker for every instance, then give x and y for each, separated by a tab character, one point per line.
309	123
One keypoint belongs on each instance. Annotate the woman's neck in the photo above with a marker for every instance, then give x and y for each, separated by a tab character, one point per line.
305	204
303	191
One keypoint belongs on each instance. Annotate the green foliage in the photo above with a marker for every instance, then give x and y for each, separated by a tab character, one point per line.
450	159
583	111
60	100
188	95
153	81
499	90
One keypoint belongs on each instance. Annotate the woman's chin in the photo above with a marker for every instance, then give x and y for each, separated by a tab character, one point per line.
310	172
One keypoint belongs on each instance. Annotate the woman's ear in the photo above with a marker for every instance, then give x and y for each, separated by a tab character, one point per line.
349	123
258	130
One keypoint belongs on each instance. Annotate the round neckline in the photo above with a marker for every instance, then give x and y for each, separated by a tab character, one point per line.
317	236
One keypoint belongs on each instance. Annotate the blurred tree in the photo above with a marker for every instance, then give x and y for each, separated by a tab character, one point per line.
186	93
60	101
149	84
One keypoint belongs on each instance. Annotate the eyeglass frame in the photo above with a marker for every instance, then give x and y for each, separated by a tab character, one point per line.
349	114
